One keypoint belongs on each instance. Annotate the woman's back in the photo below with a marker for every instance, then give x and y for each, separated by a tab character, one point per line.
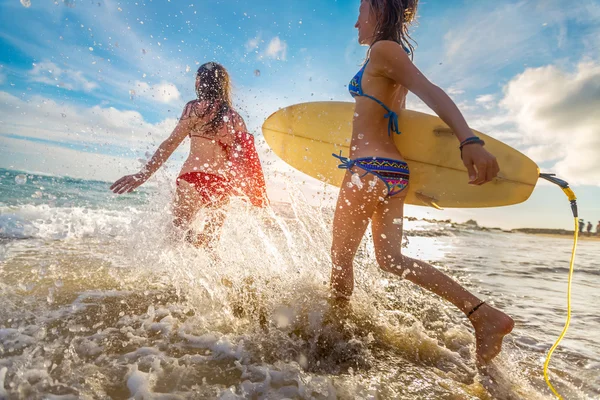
212	142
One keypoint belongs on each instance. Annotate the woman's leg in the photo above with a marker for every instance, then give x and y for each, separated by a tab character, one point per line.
353	212
490	325
213	225
186	204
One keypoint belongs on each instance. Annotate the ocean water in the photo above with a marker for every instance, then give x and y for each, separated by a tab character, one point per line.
99	300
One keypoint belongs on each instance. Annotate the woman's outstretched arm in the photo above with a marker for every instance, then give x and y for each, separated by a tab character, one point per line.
129	183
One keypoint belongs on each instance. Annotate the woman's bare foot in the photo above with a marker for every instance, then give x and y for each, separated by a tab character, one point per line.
491	325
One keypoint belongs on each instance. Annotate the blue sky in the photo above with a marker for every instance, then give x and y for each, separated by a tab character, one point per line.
89	87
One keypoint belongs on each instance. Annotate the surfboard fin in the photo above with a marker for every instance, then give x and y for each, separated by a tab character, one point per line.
428	200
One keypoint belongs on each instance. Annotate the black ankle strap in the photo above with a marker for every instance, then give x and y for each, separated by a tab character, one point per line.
475	308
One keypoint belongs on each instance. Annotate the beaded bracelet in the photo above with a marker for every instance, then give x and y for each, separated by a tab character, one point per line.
470	140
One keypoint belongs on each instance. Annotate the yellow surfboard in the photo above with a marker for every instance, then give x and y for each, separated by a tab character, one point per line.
305	135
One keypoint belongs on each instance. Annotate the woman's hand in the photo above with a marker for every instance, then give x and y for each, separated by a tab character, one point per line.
481	165
129	183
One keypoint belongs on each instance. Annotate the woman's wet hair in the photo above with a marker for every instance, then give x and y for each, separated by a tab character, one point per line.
213	89
394	17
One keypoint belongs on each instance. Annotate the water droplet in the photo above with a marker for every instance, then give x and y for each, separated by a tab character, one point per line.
26	3
187	68
383	236
303	361
257	72
356	180
90	48
225	118
361	136
21	179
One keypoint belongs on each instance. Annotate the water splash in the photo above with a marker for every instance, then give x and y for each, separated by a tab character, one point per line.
135	311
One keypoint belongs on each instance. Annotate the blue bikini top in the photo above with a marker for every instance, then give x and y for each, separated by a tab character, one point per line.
355	89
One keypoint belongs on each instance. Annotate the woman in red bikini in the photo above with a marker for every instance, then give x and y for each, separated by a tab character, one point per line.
222	162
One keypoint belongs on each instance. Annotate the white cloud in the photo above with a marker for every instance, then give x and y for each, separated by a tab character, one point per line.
453	91
40	157
117	60
277	49
66	139
95	126
49	73
489	39
487	101
252	44
557	114
163	92
494	35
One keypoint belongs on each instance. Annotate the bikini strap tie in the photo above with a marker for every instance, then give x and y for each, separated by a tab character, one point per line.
393	125
346	163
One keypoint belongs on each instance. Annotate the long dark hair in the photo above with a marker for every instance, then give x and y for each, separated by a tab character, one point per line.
213	89
394	17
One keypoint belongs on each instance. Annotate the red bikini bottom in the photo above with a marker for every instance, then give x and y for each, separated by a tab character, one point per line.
211	188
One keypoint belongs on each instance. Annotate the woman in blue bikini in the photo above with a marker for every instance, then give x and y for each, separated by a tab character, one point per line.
380	89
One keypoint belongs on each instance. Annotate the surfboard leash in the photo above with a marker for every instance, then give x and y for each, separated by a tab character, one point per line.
573	199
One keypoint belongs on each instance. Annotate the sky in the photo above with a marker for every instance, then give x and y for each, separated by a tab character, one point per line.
89	89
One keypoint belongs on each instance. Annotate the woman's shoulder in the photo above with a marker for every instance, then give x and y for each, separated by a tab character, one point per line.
193	109
237	121
386	48
387	54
